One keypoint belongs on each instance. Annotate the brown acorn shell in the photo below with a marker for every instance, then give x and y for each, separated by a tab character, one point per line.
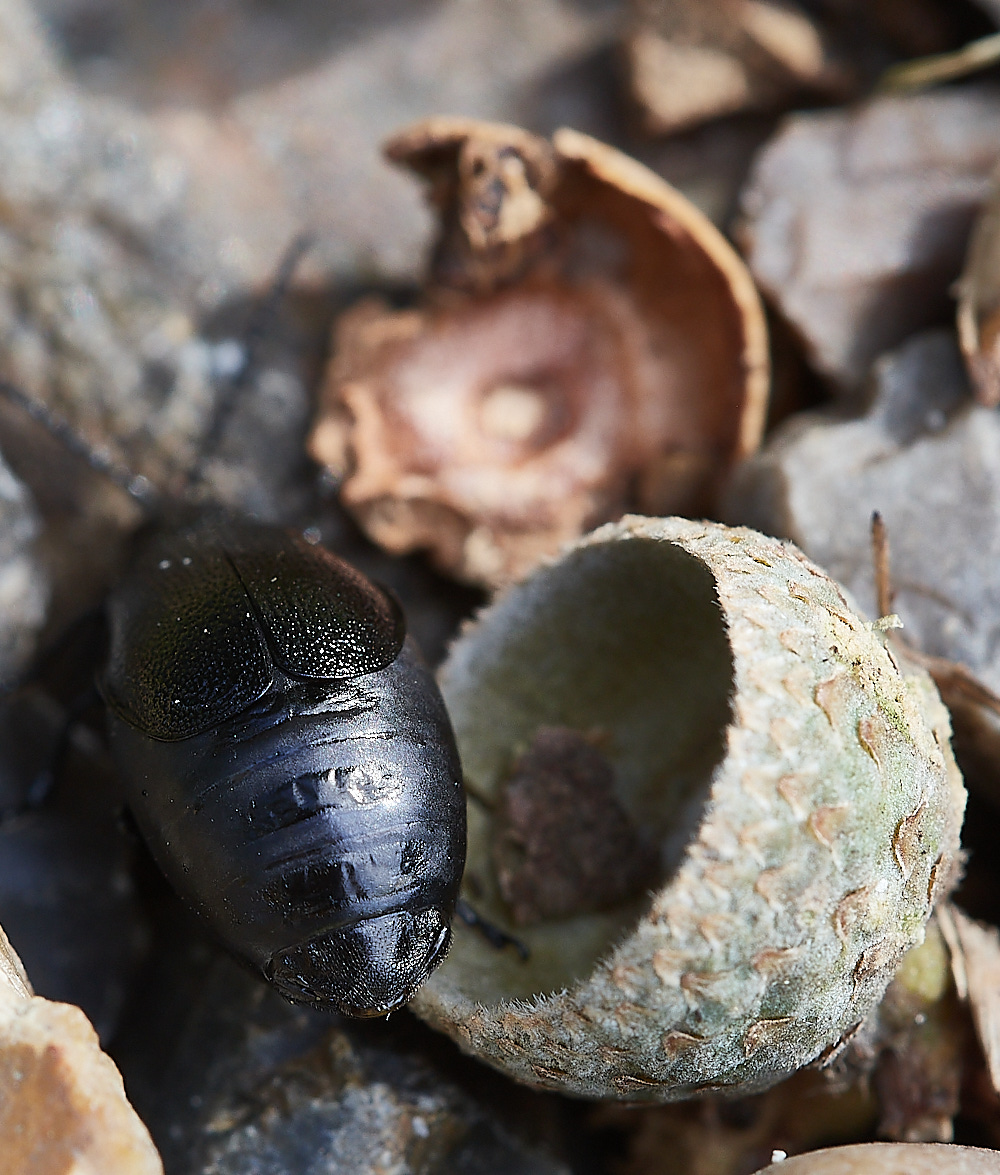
588	342
799	784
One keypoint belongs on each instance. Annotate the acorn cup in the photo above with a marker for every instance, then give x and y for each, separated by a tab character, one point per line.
762	794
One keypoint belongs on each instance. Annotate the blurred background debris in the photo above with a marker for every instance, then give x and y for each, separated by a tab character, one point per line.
159	159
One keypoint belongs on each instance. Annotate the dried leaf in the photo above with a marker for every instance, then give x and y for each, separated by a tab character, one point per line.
978	946
979	302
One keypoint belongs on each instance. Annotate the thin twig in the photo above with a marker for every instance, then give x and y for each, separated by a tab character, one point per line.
880	557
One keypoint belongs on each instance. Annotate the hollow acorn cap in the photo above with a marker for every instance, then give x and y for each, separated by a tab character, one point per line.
800	787
588	342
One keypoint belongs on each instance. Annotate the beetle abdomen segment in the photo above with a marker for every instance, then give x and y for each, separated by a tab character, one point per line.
367	969
317	808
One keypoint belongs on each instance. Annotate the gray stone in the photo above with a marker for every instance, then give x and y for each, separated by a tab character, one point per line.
158	163
928	460
233	1080
24	585
277	140
120	307
96	273
855	221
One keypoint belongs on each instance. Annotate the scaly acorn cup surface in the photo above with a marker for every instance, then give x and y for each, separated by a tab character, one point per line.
796	784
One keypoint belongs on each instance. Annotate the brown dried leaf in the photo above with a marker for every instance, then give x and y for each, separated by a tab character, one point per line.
976	947
979	303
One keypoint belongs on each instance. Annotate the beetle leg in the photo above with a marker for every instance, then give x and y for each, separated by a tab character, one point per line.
493	934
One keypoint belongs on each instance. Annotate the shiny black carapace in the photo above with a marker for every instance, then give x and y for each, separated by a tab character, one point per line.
288	759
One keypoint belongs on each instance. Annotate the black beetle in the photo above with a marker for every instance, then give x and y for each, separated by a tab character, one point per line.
286	754
288	759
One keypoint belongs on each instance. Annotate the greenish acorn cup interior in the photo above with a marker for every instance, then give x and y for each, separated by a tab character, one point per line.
626	643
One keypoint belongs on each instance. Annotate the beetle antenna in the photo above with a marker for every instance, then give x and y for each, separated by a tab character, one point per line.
139	488
258	329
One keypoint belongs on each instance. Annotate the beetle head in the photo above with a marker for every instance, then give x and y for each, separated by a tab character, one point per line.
368	969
